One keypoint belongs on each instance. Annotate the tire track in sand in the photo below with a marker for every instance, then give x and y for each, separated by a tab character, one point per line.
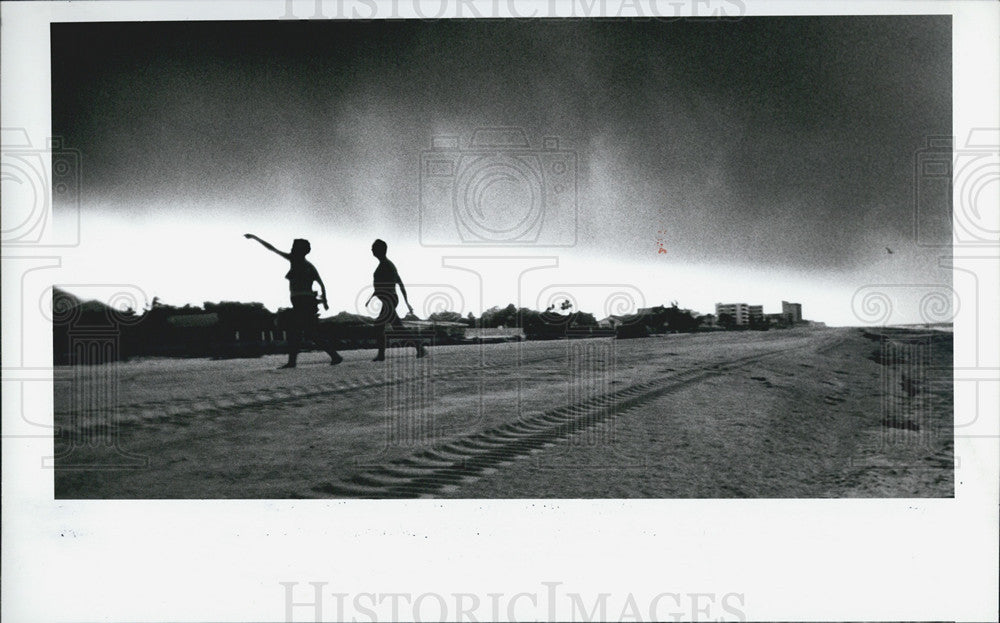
466	458
80	422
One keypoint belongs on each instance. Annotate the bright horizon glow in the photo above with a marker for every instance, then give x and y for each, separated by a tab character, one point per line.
186	264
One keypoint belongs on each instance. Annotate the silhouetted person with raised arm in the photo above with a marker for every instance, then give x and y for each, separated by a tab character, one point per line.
305	309
385	279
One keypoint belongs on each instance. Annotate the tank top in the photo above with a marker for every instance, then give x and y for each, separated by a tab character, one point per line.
385	278
300	278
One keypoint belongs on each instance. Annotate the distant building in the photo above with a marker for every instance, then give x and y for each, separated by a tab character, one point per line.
611	321
190	321
643	315
740	312
743	314
792	311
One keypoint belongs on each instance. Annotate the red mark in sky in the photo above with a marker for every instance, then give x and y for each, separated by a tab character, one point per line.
659	241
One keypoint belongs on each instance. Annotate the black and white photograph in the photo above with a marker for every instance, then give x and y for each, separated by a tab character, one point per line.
500	310
567	258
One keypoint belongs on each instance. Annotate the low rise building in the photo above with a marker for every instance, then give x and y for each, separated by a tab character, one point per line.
744	315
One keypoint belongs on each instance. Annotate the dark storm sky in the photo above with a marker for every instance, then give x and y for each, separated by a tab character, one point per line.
783	141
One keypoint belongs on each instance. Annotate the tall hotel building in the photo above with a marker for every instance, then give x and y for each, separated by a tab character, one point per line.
792	311
742	313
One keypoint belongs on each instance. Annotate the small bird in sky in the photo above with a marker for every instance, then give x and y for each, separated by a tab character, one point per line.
889	250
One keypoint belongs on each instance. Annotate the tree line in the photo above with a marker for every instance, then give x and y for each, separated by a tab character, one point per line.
237	329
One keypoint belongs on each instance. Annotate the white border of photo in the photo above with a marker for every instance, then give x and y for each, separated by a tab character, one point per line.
191	560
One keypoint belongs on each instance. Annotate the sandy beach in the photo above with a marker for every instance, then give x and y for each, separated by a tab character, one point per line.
798	413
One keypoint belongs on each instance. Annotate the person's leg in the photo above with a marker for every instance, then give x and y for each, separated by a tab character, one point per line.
294	339
386	316
397	324
324	342
306	313
335	357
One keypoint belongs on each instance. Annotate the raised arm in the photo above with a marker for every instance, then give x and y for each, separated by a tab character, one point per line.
267	245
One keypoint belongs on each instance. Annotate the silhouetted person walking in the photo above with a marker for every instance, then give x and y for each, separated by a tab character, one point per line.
385	279
305	309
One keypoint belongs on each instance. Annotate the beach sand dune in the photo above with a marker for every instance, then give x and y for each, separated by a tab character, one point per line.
797	413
